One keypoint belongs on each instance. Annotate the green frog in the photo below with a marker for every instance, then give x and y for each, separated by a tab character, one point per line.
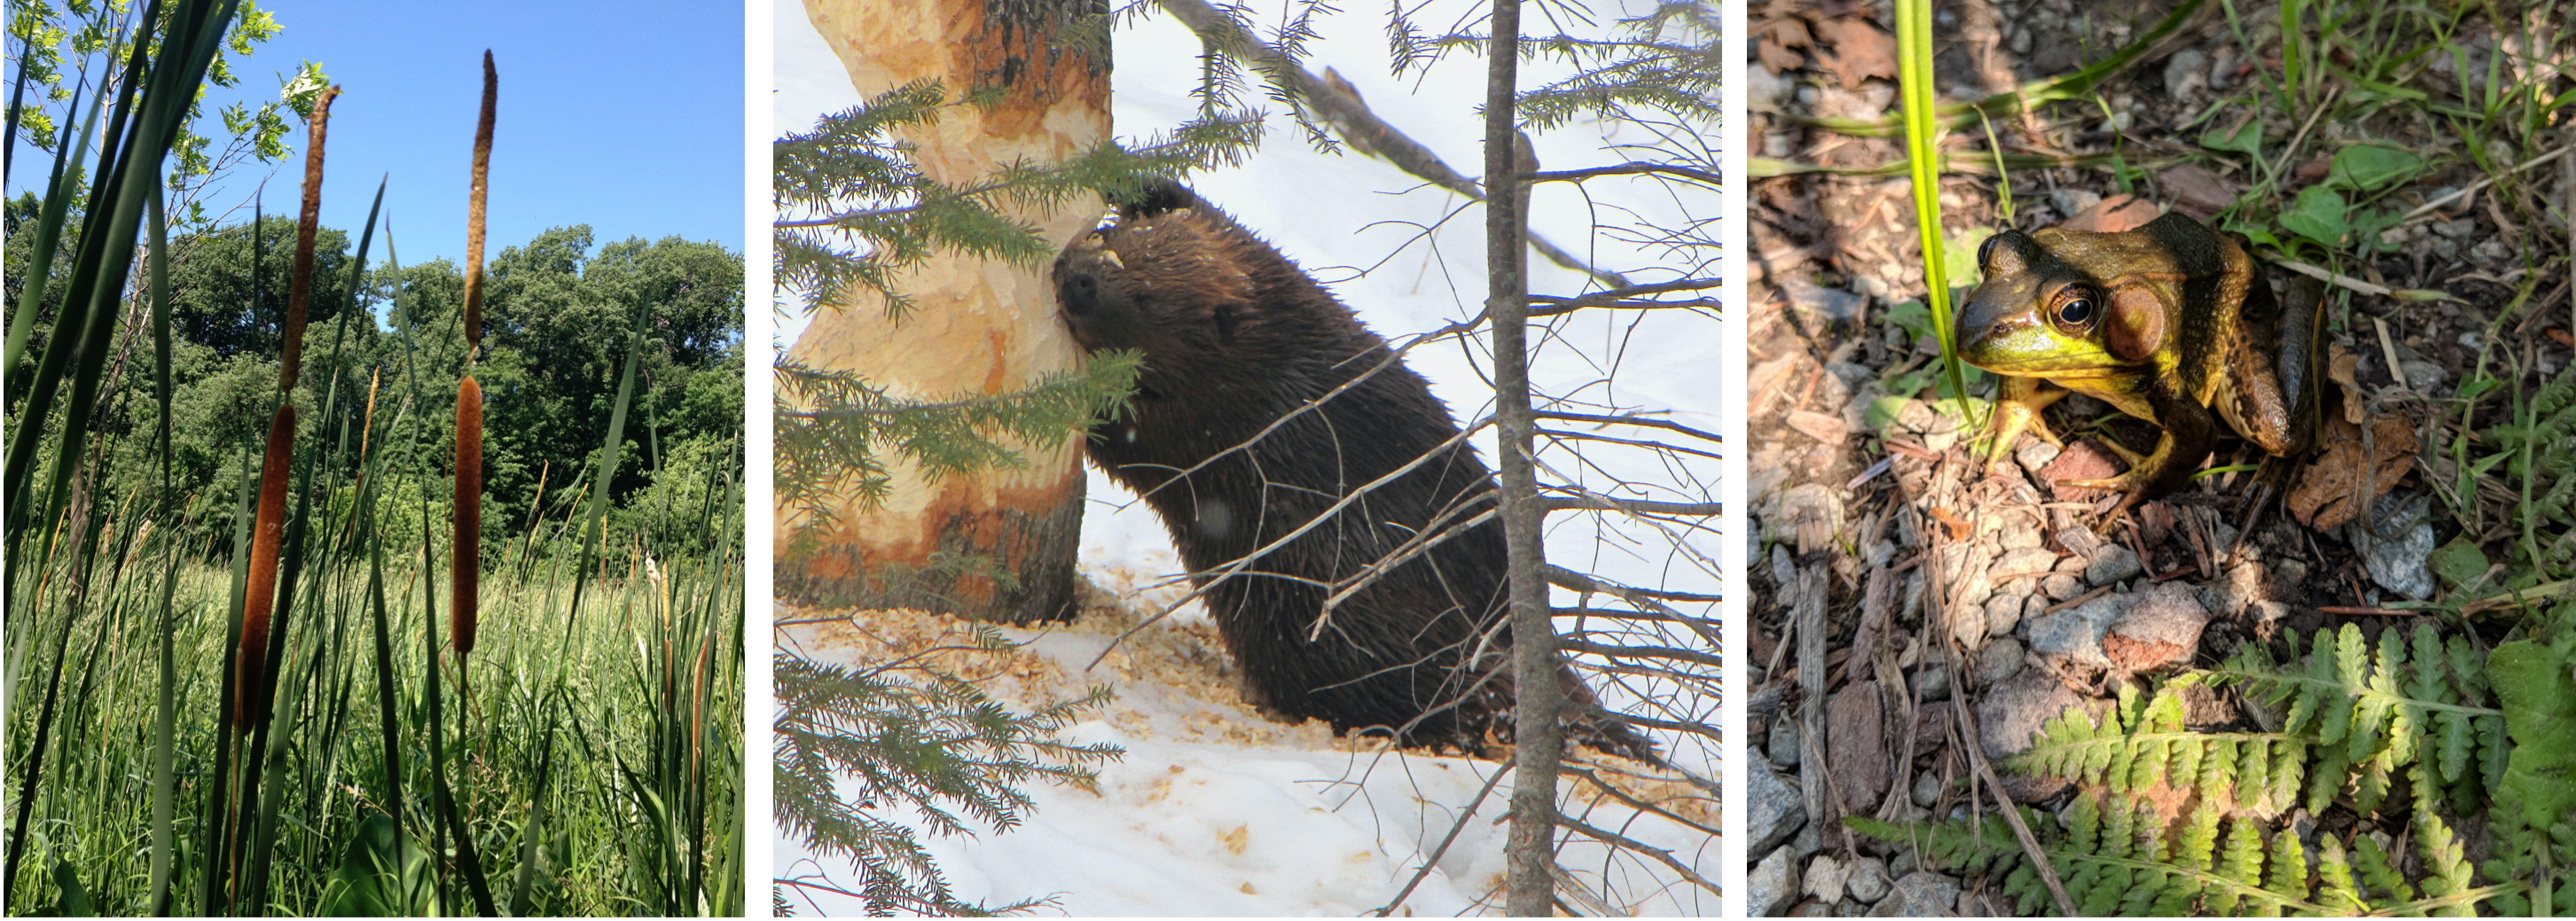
2167	323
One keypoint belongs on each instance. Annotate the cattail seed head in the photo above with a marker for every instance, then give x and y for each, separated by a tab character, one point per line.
260	596
469	515
291	361
474	206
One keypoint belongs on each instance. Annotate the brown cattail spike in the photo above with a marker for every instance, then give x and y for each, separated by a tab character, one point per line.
469	515
301	294
474	207
250	691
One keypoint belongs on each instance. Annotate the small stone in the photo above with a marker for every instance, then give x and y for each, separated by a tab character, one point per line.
2002	614
1868	881
1783	745
2456	230
1819	426
2031	558
2061	586
2000	660
1773	884
1926	894
2115	563
2186	73
1831	303
1932	682
1903	863
2034	455
2009	712
2075	635
2400	565
1775	810
1968	626
2161	628
1813	909
1927	789
1824	878
2074	201
2237	589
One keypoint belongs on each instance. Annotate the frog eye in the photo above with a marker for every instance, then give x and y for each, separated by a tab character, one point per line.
2076	310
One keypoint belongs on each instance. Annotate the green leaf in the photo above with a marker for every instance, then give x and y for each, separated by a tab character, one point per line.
2370	167
1913	316
2540	714
2246	139
380	875
2320	214
1960	256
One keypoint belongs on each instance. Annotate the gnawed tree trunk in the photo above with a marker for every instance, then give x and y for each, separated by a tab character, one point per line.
978	327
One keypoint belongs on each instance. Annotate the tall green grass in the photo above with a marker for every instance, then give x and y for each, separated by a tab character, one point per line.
596	767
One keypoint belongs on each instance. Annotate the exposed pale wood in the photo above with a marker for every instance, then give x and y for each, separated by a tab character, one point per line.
978	327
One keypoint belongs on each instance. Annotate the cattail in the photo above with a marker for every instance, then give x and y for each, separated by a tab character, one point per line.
469	514
468	568
261	595
297	297
474	206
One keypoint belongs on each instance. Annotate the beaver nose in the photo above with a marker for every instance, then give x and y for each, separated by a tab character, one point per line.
1080	293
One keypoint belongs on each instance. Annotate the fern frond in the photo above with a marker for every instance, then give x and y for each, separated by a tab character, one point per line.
2446	864
2259	771
2113	858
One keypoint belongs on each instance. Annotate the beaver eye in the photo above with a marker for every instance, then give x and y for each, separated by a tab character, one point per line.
1986	250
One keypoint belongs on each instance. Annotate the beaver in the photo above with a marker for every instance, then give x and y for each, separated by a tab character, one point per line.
1226	439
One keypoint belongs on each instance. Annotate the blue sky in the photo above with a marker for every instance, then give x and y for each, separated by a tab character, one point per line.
623	116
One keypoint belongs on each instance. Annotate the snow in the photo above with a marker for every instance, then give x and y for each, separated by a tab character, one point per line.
1325	830
1217	811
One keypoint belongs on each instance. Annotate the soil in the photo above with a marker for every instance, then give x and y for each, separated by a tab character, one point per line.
1864	496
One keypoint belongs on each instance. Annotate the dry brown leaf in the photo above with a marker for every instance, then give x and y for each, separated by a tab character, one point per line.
1777	45
2329	491
2199	191
2341	368
2115	214
1859	50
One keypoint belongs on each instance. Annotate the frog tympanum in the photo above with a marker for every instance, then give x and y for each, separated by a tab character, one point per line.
2166	322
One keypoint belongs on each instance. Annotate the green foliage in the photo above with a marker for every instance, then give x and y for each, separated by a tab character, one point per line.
2116	856
2134	748
2378	710
834	446
854	211
855	746
2359	722
1665	69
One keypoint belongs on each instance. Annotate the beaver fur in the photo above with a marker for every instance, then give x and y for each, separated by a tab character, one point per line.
1236	341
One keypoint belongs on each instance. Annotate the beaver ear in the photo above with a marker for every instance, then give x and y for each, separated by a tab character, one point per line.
1159	196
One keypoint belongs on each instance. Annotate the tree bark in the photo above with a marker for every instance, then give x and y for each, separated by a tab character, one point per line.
980	327
1538	740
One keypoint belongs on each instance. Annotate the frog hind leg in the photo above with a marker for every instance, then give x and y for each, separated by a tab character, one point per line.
2188	433
2273	383
2023	399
